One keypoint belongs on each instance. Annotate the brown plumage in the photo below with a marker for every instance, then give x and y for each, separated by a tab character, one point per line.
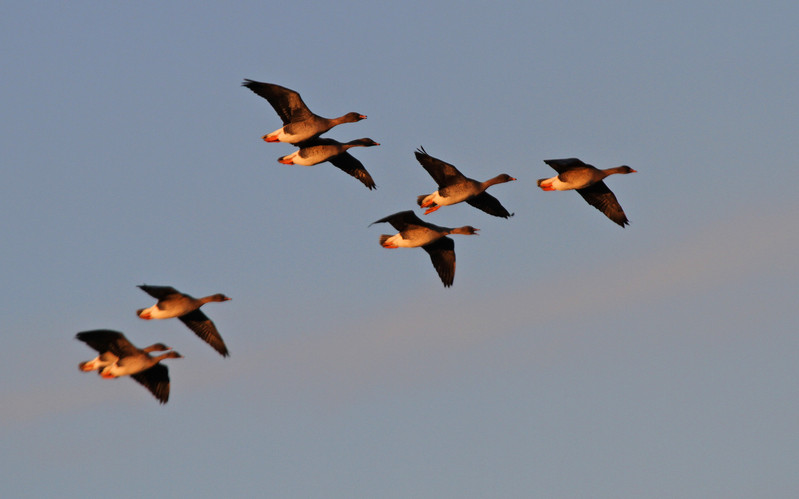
414	232
315	151
299	123
586	179
119	357
173	303
454	187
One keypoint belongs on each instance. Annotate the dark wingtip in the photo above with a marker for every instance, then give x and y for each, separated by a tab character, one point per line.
420	153
622	223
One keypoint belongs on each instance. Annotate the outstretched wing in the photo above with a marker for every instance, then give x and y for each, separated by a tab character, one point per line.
155	379
203	327
489	204
443	173
287	103
349	164
442	254
566	164
600	197
159	292
401	220
105	340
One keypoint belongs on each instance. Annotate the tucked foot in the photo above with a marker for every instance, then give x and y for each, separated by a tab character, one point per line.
431	210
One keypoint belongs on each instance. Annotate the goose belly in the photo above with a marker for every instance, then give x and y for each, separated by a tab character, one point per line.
156	313
417	238
559	185
446	197
130	365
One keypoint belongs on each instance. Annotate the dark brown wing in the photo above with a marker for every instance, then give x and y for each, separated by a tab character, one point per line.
205	329
489	204
105	340
600	197
159	292
155	379
564	165
287	103
443	173
347	162
442	254
401	220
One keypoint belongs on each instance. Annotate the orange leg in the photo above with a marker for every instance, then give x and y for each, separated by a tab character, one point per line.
431	210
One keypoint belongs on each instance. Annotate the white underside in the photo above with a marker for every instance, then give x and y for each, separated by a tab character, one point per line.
157	313
296	159
282	136
130	365
291	138
559	185
99	362
440	200
426	238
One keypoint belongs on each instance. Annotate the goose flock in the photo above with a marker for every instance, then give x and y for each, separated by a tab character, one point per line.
117	356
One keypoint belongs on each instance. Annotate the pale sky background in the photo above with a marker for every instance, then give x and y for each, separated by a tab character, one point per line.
570	359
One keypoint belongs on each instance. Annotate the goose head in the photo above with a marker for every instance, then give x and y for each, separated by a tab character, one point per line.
352	117
365	142
218	297
465	230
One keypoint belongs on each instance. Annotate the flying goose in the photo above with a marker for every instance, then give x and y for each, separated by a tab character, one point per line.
299	123
119	357
414	232
454	187
173	303
587	181
316	151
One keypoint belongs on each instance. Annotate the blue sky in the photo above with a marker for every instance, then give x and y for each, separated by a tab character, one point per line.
571	358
